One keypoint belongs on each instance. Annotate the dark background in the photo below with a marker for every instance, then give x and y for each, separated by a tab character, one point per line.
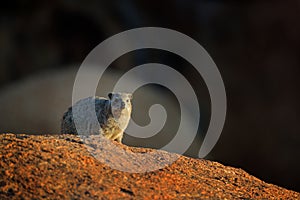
255	44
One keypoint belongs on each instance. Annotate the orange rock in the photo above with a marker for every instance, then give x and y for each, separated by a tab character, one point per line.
60	167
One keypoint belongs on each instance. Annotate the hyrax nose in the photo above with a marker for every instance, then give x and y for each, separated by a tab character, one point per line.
122	105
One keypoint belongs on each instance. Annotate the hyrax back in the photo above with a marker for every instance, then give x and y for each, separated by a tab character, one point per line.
113	115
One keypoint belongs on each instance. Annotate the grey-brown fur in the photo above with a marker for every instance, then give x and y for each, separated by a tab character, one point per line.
113	115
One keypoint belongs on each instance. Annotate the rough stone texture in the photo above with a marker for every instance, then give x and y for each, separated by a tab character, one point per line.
60	167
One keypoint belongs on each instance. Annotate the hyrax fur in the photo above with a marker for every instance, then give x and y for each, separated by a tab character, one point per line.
113	115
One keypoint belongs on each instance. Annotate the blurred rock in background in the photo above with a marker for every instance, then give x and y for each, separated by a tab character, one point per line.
36	105
256	46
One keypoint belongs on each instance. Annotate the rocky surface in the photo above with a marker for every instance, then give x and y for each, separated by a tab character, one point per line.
62	167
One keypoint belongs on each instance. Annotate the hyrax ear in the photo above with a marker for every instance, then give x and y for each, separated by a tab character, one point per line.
110	95
130	96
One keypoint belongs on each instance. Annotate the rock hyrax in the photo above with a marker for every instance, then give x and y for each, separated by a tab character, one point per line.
113	115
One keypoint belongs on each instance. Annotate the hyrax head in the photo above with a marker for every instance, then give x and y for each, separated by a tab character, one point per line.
120	103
